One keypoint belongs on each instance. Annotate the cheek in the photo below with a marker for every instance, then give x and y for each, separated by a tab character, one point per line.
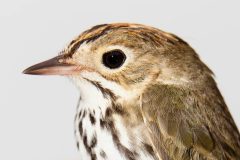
134	78
115	87
136	74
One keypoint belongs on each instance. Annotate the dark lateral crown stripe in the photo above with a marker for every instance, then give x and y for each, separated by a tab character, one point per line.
92	34
98	31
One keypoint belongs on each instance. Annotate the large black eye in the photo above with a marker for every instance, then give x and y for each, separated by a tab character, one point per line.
113	59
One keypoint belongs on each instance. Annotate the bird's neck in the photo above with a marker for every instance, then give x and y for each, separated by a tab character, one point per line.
92	98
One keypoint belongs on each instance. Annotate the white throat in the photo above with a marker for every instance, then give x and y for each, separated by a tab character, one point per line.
90	95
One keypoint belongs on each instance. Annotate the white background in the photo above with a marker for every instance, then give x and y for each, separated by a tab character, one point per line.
36	112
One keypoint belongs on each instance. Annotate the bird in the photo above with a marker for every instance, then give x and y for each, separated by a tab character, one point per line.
144	95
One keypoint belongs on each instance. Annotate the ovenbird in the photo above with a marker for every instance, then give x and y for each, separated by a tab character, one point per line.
144	95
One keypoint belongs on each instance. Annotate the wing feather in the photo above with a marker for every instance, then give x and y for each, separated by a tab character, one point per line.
185	124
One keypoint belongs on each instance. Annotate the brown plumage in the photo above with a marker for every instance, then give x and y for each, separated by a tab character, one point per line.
161	102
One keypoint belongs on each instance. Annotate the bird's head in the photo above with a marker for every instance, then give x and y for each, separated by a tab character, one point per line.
125	59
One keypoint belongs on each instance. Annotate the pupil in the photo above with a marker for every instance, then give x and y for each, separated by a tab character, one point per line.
114	59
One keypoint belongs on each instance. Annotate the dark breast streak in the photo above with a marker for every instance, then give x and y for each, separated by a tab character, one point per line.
107	123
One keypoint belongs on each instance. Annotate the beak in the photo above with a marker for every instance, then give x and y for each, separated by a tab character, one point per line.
54	66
